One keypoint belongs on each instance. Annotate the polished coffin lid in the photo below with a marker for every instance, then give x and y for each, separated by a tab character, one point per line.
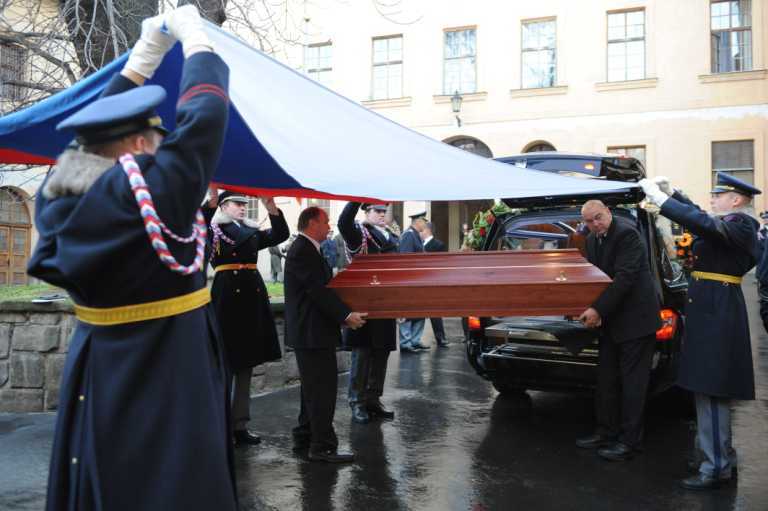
512	283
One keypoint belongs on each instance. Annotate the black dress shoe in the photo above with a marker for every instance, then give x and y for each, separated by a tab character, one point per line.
695	465
245	437
703	482
331	456
377	409
420	347
443	344
616	452
360	415
407	349
594	441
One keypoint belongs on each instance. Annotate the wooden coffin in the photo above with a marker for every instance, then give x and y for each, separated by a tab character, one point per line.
503	283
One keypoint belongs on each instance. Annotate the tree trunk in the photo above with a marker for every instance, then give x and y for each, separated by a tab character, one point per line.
102	30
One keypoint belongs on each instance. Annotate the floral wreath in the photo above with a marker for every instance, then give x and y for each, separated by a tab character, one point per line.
482	223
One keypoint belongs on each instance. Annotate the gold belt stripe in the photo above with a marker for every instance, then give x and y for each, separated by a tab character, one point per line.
720	277
143	311
225	267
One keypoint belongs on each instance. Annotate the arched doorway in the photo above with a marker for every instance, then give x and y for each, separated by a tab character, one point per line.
449	217
15	237
538	147
470	144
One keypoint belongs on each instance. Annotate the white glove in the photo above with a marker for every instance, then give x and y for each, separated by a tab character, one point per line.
186	25
149	50
664	185
652	192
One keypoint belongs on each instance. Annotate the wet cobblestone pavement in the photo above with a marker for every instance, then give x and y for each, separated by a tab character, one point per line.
454	445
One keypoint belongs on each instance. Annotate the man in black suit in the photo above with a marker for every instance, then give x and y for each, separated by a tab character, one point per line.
313	318
432	244
628	314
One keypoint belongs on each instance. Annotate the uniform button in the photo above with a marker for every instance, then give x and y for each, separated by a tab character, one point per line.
234	253
690	300
74	461
82	397
234	272
237	290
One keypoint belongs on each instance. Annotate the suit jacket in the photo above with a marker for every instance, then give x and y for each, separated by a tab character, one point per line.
435	245
629	307
410	242
313	312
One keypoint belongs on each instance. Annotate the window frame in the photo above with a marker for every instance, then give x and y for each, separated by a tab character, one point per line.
626	40
315	73
731	171
548	19
472	28
18	70
613	148
714	55
386	64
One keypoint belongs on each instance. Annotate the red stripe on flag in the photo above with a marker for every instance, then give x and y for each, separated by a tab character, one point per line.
20	157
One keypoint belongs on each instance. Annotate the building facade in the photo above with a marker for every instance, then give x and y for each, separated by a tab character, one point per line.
681	85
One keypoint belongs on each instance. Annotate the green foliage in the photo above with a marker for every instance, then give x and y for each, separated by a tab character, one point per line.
482	223
26	293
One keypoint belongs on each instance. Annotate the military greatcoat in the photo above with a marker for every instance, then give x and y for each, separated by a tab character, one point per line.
716	356
376	333
240	297
143	408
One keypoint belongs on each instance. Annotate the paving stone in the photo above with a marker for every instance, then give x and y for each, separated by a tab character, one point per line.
45	319
5	340
3	372
12	317
35	338
21	400
27	370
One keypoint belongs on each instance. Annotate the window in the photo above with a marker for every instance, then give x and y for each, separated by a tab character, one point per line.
541	234
252	209
317	62
13	209
626	46
538	147
737	158
539	54
387	68
12	69
636	151
472	145
731	23
459	70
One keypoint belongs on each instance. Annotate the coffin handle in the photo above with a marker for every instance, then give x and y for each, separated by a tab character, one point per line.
561	277
375	281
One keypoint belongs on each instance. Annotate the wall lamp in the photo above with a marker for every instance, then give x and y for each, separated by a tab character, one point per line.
456	100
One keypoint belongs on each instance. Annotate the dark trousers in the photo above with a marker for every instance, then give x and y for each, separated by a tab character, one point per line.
438	329
318	373
367	375
622	384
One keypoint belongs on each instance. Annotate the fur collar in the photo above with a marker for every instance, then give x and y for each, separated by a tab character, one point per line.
221	218
75	172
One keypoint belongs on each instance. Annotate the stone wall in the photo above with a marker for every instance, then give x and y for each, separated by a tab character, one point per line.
34	339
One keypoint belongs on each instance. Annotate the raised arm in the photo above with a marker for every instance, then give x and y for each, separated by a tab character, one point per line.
349	231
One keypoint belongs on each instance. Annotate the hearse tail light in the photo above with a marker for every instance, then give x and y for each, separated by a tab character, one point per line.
473	323
668	325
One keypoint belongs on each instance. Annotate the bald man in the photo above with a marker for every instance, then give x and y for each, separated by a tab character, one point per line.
627	314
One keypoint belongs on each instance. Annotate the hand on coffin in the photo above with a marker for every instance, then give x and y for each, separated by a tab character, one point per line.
652	192
355	320
269	203
591	318
148	52
664	184
187	26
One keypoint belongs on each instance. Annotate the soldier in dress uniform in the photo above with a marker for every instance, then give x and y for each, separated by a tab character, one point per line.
716	362
371	344
142	421
240	297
